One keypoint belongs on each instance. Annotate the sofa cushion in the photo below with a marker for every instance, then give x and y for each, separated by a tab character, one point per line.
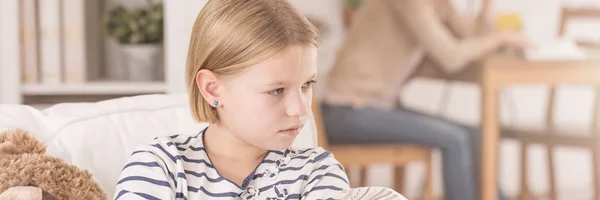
21	117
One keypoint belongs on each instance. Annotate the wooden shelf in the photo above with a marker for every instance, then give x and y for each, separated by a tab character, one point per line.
95	88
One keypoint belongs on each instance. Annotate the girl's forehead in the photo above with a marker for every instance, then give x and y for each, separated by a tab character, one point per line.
294	60
297	55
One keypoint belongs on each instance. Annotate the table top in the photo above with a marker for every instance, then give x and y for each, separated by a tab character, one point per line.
514	69
507	61
505	69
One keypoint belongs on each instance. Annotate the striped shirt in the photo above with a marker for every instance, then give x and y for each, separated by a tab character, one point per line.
178	167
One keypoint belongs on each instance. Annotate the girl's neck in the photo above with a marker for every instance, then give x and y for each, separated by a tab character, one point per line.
221	143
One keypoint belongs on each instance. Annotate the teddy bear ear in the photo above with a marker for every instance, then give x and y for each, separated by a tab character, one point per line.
18	142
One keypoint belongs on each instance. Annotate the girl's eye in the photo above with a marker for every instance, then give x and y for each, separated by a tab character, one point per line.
308	84
276	91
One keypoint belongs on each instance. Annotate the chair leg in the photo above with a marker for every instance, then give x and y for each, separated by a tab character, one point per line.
363	176
524	194
349	174
596	148
399	173
596	171
428	183
549	147
551	174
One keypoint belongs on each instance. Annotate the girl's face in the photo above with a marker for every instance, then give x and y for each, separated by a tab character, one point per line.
267	104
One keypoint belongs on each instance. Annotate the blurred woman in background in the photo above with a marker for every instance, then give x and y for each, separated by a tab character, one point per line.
385	45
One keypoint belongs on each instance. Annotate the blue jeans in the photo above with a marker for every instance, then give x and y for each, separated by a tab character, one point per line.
458	144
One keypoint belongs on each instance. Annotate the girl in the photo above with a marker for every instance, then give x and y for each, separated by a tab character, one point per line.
250	69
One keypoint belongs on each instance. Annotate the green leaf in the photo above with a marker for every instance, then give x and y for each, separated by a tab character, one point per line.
353	3
135	26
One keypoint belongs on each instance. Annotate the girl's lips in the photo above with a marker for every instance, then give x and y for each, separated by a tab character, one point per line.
292	131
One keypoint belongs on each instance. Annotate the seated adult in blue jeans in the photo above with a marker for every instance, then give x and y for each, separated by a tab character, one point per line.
385	45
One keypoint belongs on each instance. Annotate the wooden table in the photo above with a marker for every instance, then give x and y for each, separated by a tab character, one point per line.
499	71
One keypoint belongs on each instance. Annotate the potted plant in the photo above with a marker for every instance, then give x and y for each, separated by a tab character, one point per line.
139	32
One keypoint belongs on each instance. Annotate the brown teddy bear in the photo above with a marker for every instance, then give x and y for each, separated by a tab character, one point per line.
27	173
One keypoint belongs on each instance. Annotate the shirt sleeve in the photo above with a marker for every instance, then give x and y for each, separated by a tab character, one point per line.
145	176
328	179
452	53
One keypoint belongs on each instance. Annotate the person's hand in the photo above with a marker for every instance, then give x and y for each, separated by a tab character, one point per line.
513	39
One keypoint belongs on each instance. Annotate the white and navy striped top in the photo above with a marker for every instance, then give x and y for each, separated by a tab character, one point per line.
178	167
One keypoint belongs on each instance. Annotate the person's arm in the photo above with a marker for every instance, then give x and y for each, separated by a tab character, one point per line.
451	53
145	177
463	27
327	180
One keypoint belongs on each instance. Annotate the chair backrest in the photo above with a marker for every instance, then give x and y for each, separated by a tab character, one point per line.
592	50
569	13
322	140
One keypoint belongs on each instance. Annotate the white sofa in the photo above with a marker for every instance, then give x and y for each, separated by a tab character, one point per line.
100	136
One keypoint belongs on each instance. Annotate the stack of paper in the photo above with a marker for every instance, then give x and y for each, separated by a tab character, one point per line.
556	50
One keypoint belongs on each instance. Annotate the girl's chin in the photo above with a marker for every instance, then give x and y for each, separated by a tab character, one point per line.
282	142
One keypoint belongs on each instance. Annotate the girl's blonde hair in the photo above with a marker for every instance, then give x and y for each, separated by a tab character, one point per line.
229	35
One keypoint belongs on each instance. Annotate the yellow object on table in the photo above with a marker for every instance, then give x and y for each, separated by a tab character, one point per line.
508	22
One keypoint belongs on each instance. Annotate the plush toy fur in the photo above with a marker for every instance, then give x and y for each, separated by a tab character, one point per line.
23	163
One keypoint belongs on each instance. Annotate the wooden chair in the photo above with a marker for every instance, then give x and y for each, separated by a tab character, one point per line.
363	155
551	137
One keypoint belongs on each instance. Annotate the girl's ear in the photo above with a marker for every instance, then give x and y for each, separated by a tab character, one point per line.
208	84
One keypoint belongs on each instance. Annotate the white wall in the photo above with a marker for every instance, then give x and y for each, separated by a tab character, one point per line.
9	52
179	18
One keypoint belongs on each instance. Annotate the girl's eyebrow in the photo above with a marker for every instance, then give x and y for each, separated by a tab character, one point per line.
284	82
277	83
